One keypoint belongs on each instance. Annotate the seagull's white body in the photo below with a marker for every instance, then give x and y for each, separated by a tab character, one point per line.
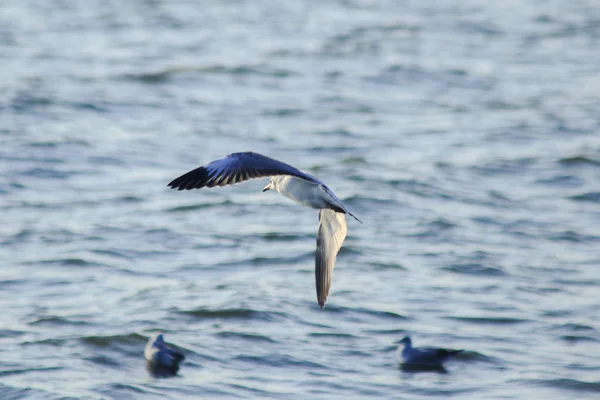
431	357
292	183
160	356
307	193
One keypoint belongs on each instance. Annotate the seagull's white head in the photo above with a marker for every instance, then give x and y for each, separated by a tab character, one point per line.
159	341
274	183
270	186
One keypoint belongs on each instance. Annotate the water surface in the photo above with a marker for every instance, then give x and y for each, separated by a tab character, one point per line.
464	134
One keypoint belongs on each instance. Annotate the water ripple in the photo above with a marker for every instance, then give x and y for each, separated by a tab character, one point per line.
232	313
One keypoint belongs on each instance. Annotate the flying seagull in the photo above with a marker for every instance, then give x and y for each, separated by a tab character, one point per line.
162	360
293	184
427	357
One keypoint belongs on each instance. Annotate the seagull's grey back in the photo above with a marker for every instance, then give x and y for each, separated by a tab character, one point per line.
307	193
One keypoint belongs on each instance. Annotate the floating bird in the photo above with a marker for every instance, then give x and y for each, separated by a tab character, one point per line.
293	184
425	357
161	359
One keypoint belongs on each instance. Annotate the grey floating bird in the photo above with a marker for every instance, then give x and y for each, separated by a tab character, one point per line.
162	359
426	357
293	184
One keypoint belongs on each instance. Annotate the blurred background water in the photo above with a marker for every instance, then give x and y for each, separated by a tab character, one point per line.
463	133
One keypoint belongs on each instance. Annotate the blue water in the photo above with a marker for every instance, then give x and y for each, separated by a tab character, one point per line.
464	134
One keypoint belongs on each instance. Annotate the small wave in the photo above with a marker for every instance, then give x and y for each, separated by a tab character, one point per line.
579	161
333	335
329	149
576	282
29	101
47	173
283	112
404	74
13	393
9	372
111	388
562	180
169	73
474	356
57	143
12	282
129	199
231	313
70	262
423	368
280	360
573	327
421	189
505	167
105	341
252	337
103	361
578	338
194	207
489	320
440	224
387	265
10	333
593	197
22	236
254	392
572	236
354	160
582	367
355	109
342	132
106	161
365	311
393	332
565	383
112	253
474	269
262	261
366	202
57	321
349	250
283	237
46	342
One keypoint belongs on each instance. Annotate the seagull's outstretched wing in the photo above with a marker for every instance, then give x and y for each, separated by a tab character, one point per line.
235	168
330	236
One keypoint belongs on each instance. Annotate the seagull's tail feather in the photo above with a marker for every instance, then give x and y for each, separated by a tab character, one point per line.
353	216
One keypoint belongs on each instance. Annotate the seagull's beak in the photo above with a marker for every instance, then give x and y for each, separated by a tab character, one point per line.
268	187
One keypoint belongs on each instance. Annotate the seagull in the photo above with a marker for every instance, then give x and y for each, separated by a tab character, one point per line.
291	183
427	357
162	359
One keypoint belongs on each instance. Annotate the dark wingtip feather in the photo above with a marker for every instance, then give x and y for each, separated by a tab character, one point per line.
195	179
321	303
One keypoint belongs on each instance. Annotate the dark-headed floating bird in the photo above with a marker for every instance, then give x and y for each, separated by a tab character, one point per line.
426	357
162	360
293	184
